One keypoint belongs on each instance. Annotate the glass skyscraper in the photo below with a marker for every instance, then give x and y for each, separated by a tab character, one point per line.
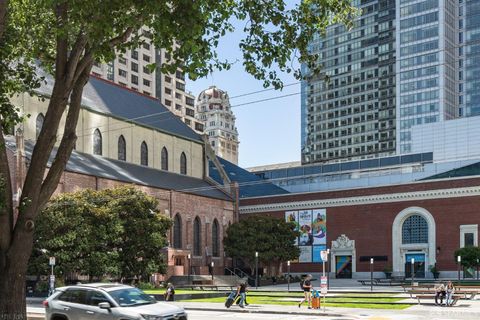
405	63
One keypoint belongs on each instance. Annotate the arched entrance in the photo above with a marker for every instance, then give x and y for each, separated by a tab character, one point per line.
413	237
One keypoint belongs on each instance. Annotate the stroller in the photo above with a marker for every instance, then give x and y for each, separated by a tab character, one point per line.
231	298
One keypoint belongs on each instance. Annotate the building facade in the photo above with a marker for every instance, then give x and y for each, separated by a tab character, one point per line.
213	109
425	221
131	70
404	64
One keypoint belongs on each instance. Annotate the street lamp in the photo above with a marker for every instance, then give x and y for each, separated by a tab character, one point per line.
477	267
288	277
256	269
213	265
189	267
459	261
412	269
371	274
328	269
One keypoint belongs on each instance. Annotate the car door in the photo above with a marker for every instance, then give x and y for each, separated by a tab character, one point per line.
72	303
93	311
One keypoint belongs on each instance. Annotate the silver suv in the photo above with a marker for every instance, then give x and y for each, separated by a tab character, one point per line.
108	301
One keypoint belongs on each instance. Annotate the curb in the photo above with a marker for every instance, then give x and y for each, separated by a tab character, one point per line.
271	312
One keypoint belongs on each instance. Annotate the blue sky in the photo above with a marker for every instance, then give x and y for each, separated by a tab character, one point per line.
269	131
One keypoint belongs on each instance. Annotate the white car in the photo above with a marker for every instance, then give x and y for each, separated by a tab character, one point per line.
108	301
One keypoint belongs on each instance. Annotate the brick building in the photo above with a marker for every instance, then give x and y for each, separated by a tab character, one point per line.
424	220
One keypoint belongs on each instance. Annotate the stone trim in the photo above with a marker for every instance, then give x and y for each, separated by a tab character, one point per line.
364	200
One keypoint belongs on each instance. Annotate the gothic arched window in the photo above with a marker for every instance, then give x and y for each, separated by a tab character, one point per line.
197	237
122	148
164	159
183	163
215	239
97	142
144	154
177	232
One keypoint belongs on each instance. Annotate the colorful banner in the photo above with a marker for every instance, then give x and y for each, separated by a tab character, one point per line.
305	221
305	254
319	226
292	216
316	253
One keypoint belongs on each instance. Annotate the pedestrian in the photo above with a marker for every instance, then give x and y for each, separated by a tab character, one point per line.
439	293
242	291
170	293
306	285
450	292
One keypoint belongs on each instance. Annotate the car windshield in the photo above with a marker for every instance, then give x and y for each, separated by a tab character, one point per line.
128	297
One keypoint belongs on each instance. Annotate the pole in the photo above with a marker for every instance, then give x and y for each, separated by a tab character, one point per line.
288	277
213	264
328	269
412	269
477	268
189	268
256	269
371	274
459	260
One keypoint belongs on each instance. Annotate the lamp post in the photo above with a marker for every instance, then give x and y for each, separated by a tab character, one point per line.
477	267
189	257
328	269
213	265
371	274
412	269
288	276
459	261
256	269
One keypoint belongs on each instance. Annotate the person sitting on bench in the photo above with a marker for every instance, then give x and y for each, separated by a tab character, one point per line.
439	293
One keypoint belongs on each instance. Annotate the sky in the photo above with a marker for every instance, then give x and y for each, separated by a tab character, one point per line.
269	131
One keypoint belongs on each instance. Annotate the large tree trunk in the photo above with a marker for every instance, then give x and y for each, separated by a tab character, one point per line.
3	17
13	276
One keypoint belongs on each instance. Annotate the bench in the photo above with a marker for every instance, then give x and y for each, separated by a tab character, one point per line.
432	296
419	286
206	287
368	282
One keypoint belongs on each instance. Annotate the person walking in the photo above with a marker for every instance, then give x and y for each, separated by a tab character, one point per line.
242	291
439	293
450	292
170	293
307	288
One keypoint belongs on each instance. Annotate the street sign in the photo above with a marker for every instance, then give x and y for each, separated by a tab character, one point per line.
323	285
52	261
324	255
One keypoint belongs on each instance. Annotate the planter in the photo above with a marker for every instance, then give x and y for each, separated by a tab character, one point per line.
436	274
388	275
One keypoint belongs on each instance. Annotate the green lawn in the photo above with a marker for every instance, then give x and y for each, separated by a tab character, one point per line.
331	302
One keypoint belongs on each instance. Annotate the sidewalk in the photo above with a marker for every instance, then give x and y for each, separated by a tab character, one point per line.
466	310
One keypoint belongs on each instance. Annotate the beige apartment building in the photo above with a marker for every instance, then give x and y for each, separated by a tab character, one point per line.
131	70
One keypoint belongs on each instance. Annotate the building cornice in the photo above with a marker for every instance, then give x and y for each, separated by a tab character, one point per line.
363	200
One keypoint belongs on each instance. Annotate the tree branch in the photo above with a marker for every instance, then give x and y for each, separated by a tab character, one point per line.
68	140
3	17
62	41
6	210
121	38
74	57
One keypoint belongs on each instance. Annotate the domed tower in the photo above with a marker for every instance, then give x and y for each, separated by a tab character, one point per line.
213	109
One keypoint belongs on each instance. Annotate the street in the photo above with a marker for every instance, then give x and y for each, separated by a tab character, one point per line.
208	315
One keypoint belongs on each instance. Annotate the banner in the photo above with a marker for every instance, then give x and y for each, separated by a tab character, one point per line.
305	221
316	253
305	254
292	216
319	226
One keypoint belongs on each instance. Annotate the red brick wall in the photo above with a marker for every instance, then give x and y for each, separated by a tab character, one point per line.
370	225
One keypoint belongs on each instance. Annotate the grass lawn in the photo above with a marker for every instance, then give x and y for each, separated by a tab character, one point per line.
349	302
179	291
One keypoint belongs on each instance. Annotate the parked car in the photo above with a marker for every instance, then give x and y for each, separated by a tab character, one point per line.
108	301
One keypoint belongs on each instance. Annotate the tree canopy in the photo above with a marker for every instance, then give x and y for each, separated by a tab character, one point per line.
65	38
470	256
113	232
272	238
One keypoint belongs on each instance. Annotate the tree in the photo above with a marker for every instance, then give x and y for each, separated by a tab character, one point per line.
66	37
272	238
113	232
470	256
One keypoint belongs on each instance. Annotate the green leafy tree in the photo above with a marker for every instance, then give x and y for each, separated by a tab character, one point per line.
67	36
272	238
470	256
113	232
